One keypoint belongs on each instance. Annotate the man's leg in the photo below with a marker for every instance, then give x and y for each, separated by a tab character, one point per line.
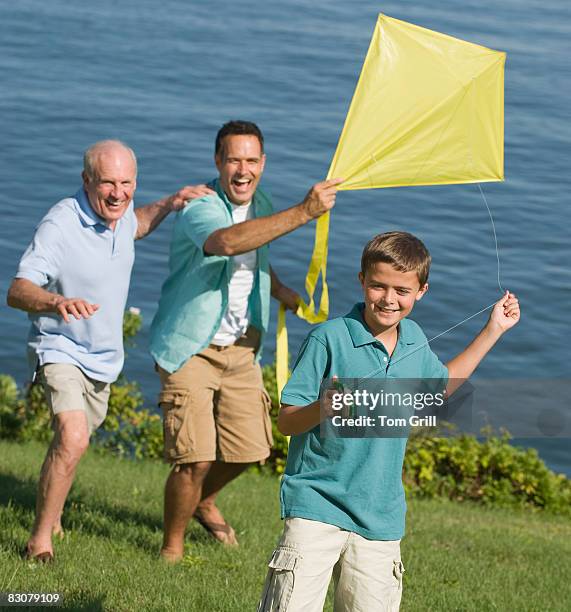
182	494
244	430
57	529
70	442
66	386
207	512
186	399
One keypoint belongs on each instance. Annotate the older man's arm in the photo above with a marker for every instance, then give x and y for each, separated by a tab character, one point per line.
288	297
249	235
28	296
150	216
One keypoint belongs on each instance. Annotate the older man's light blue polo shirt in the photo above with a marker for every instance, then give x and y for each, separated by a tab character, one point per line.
353	483
195	295
74	253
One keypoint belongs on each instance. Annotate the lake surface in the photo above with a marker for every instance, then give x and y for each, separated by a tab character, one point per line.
164	77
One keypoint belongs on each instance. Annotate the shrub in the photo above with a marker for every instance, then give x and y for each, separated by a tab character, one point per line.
129	429
490	471
460	467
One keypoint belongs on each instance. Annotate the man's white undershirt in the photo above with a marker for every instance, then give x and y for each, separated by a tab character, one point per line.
236	317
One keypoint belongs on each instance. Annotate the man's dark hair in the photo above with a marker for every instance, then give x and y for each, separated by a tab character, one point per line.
238	128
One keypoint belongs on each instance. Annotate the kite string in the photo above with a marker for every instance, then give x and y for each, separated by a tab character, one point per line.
495	236
374	372
418	348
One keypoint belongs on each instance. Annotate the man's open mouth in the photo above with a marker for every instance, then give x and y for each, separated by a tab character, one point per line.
241	183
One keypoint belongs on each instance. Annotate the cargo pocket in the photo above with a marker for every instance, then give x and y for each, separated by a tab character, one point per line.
176	430
398	571
280	580
267	402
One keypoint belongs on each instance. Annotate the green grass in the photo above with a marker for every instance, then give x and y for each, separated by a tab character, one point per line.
457	556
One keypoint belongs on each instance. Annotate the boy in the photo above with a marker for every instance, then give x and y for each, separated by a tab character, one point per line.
343	498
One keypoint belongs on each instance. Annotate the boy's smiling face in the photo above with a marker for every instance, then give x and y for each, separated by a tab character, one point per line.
389	295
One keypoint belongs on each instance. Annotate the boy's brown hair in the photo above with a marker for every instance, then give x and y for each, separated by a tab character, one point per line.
405	252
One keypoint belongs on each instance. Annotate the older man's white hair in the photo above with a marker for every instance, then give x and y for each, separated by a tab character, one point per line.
92	155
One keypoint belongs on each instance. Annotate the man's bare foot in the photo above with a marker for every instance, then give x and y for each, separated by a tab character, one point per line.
212	520
35	552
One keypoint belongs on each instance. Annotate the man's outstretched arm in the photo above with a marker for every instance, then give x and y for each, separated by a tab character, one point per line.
150	216
28	296
249	235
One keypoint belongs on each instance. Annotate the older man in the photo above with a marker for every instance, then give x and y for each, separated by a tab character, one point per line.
83	247
207	335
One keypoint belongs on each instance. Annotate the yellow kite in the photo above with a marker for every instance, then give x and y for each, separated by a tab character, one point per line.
428	110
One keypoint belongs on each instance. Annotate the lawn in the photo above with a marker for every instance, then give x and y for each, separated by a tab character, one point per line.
457	556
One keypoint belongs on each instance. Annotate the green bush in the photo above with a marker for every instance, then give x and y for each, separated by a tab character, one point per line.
490	471
459	467
129	429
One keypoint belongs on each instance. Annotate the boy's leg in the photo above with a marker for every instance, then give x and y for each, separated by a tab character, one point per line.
300	567
369	576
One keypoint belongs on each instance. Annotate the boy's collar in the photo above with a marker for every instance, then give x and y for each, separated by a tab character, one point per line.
360	333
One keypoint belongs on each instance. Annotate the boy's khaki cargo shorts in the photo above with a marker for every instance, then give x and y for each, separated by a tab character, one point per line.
215	408
367	574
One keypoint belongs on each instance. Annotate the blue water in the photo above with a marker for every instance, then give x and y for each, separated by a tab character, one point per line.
164	77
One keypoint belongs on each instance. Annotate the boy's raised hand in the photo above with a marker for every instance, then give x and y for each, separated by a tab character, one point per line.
505	313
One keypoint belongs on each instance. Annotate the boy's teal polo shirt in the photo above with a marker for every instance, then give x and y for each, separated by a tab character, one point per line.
195	294
353	483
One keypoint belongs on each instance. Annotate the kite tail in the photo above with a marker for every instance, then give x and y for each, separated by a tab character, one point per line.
317	266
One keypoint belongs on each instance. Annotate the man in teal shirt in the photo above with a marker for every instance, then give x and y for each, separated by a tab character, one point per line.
342	497
208	332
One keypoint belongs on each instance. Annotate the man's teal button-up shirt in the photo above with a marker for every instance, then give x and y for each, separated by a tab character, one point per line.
353	483
195	295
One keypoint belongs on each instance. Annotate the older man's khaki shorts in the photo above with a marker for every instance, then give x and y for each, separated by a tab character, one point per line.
67	388
215	408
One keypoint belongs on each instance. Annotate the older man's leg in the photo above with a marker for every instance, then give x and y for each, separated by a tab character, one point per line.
70	442
182	494
57	528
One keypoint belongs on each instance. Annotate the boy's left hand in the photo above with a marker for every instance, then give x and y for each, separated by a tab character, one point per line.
505	313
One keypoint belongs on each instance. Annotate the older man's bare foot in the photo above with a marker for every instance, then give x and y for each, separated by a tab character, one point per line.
37	551
212	520
170	556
